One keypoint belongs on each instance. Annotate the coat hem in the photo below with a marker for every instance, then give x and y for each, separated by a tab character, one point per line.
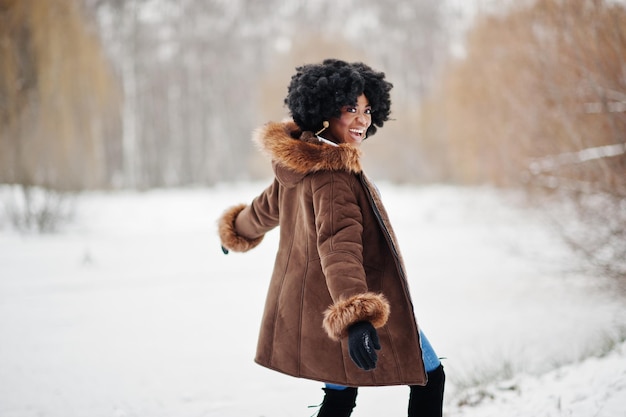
421	382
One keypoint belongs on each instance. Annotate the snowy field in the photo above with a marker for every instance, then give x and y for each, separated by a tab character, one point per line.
133	311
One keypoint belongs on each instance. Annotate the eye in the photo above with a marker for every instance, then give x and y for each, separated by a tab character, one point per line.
368	111
350	109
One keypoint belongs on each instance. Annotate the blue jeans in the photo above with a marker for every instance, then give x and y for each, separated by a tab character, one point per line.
430	358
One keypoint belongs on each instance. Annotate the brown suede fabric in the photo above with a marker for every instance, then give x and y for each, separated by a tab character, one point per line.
337	263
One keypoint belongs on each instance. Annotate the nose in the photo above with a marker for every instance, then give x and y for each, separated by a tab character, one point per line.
362	118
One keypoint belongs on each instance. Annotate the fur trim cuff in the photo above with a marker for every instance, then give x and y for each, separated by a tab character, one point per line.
361	307
228	234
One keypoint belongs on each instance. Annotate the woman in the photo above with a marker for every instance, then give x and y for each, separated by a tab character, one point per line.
338	308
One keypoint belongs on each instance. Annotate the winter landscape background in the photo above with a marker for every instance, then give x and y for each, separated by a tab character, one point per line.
133	310
125	132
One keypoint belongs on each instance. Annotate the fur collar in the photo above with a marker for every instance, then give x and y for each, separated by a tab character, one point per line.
302	153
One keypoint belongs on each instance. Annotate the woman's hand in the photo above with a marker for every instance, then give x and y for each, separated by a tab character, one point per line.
363	343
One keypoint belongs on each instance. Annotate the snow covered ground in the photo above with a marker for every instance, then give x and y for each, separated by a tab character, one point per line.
133	310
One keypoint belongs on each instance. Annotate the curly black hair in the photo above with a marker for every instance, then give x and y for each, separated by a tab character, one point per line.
317	92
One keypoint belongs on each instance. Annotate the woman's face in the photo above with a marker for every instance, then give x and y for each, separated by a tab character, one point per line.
352	125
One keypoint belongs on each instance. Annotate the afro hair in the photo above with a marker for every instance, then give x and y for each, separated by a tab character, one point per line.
317	92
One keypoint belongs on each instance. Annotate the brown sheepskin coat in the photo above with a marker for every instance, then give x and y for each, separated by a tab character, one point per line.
337	263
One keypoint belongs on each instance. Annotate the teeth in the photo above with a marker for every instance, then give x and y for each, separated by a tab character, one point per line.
360	132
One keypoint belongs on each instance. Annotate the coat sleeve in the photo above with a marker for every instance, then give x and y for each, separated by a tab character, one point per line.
242	227
339	226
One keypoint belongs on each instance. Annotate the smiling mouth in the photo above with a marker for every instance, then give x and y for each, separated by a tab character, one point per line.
357	132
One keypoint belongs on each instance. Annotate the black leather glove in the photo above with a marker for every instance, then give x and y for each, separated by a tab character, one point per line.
363	343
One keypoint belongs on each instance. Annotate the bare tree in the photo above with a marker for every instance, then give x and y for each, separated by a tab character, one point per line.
539	102
56	98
